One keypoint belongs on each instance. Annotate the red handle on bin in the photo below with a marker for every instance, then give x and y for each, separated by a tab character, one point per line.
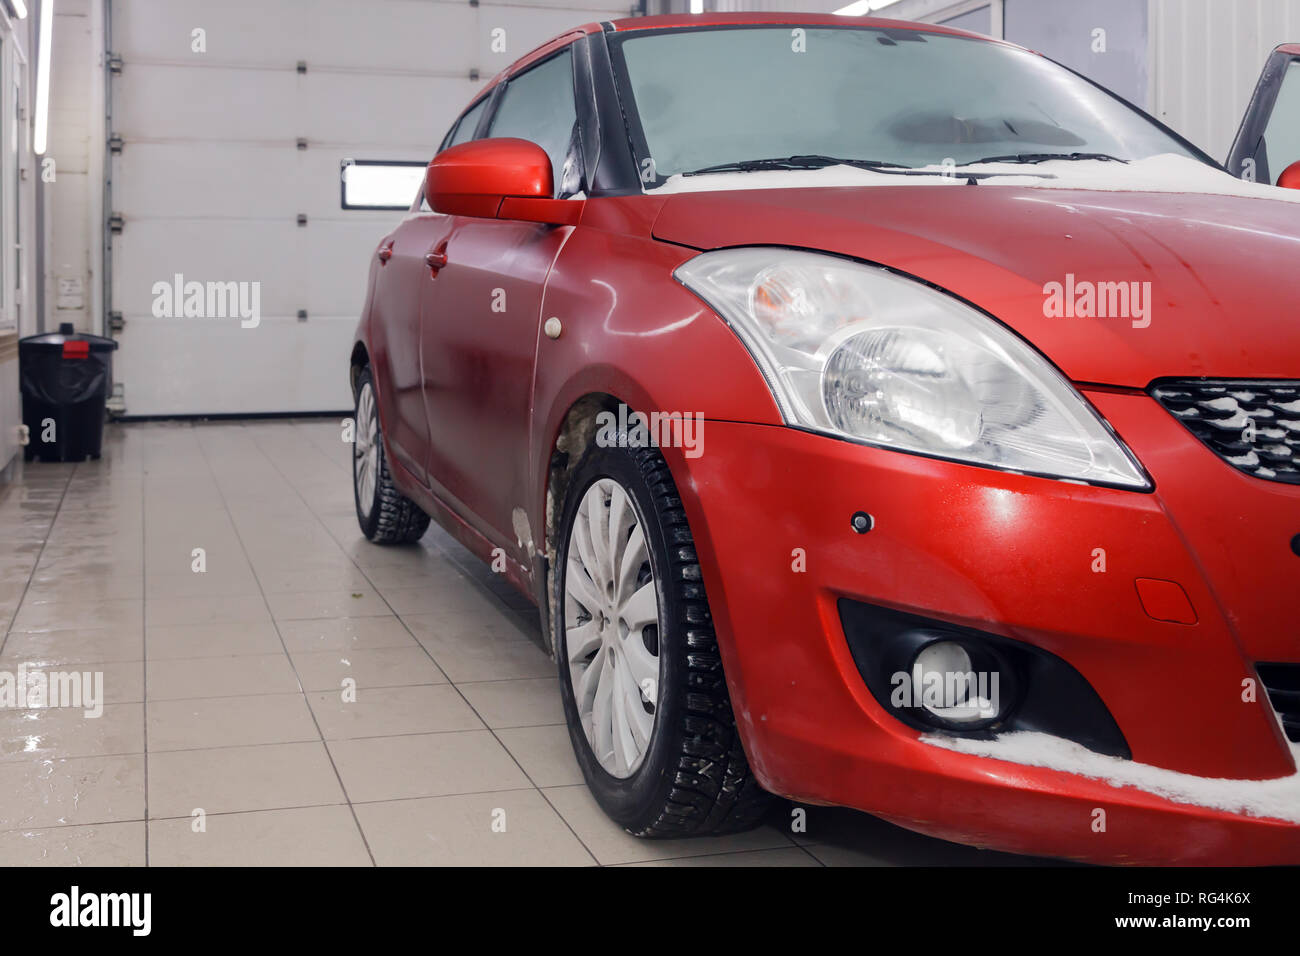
76	349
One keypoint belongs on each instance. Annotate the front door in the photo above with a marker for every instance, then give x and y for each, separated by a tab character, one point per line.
401	293
480	329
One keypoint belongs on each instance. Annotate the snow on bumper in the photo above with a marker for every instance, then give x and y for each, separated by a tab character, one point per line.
1276	799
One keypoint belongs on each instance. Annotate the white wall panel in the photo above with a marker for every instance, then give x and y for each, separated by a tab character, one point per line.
153	102
209	250
296	267
210	182
1068	34
283	365
1207	56
164	180
393	34
422	35
68	257
223	105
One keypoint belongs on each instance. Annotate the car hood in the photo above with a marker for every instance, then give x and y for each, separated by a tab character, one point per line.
1223	270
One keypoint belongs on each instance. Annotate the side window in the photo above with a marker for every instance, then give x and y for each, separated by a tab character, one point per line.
538	105
464	130
461	132
1282	135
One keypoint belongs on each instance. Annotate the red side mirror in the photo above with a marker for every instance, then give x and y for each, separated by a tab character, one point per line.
497	179
1290	178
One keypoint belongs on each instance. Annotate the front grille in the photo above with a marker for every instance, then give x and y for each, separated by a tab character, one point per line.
1253	426
1282	681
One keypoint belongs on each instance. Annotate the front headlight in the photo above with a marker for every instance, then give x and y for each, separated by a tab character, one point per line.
859	352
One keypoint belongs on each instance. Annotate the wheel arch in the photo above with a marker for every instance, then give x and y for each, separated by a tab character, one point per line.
360	359
568	438
564	423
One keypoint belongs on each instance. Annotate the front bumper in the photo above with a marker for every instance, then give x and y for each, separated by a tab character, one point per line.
1018	557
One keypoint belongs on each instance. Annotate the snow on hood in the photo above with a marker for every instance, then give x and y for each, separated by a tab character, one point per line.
1166	173
1277	799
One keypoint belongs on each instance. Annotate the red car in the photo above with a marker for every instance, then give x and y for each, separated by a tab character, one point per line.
879	415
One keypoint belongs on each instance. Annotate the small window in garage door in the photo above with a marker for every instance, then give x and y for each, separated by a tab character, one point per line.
538	105
380	184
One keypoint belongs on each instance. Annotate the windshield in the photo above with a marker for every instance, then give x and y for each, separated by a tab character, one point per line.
713	97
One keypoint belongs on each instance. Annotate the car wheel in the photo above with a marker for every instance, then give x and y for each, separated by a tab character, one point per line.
644	694
385	514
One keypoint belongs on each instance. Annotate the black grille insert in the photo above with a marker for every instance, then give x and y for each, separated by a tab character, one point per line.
1282	681
1252	425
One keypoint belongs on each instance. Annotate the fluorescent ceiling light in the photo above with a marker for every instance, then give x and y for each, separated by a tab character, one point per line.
20	9
44	51
861	7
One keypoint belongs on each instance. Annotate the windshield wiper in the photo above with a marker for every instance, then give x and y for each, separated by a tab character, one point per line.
1043	158
819	161
810	161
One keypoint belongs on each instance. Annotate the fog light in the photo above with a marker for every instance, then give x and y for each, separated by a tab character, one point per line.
949	686
1029	688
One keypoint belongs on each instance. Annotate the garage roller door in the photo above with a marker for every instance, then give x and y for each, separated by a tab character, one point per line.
226	170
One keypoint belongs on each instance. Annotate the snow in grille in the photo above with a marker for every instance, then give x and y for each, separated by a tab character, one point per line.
1252	425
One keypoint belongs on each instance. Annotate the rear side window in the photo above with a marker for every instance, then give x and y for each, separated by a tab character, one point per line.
538	106
464	130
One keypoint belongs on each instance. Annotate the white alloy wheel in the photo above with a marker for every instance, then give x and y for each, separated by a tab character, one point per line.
611	627
365	450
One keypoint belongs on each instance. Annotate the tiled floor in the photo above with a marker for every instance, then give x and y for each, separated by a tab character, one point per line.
225	737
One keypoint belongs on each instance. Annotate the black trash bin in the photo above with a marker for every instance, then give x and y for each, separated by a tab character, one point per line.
65	378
